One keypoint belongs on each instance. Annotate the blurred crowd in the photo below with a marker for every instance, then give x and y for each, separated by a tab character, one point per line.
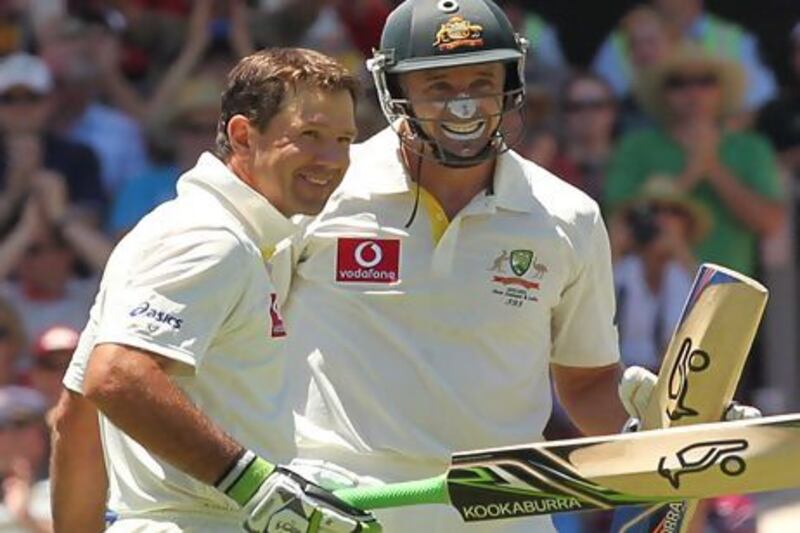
677	128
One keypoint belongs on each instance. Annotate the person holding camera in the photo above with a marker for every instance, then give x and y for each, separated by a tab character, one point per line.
651	240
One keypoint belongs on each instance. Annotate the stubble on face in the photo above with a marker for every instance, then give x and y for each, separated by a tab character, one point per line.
302	155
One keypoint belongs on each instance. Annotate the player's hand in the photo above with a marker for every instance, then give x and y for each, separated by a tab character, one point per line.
737	411
635	389
637	385
286	501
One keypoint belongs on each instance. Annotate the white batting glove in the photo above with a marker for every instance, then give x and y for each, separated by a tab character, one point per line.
636	387
276	499
737	411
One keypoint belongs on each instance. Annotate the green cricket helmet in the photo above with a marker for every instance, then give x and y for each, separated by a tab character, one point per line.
434	34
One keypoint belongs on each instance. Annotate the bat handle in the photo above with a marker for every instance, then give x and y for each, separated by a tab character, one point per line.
419	492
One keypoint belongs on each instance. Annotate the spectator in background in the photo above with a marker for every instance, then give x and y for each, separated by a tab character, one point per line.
547	65
153	34
779	120
52	352
28	148
589	115
713	34
205	52
364	20
649	40
69	46
25	506
15	30
177	143
540	140
653	266
41	252
12	342
733	173
329	32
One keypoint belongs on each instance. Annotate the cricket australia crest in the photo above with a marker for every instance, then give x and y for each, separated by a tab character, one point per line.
520	287
458	32
521	261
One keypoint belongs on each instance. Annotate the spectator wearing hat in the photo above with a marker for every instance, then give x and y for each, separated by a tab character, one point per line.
52	352
714	35
176	143
25	506
734	174
651	238
28	148
649	39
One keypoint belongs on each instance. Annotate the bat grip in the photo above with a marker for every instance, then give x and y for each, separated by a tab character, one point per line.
419	492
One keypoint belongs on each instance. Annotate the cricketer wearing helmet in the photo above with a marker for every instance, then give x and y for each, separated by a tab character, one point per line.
448	277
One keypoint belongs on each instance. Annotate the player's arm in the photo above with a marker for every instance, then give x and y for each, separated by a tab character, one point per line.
133	389
589	395
76	466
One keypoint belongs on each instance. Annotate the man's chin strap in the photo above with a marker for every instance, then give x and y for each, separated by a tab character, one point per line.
451	160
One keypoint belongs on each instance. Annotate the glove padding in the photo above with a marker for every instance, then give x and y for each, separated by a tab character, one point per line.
287	502
636	388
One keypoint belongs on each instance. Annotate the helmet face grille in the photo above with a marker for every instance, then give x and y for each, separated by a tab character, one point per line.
508	133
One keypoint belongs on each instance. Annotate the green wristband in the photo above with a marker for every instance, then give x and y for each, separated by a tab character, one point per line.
245	477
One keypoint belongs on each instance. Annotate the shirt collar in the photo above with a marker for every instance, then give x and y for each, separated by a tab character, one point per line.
512	186
261	220
382	154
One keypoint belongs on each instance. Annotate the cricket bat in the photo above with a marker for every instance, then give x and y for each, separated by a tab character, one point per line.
699	373
664	465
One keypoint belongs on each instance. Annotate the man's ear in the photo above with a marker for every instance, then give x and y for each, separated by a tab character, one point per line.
239	134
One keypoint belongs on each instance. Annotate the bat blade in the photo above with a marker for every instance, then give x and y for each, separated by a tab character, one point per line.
708	349
657	466
701	369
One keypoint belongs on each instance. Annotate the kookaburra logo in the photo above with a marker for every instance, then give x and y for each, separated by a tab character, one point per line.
689	360
701	456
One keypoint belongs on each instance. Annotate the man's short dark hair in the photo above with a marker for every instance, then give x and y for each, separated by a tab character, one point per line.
256	87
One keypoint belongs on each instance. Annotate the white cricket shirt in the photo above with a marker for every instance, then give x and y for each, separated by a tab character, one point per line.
425	340
190	283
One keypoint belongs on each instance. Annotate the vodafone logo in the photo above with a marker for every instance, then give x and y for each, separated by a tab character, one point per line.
368	260
372	250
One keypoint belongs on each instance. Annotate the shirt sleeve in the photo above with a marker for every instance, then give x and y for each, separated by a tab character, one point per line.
583	329
176	295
